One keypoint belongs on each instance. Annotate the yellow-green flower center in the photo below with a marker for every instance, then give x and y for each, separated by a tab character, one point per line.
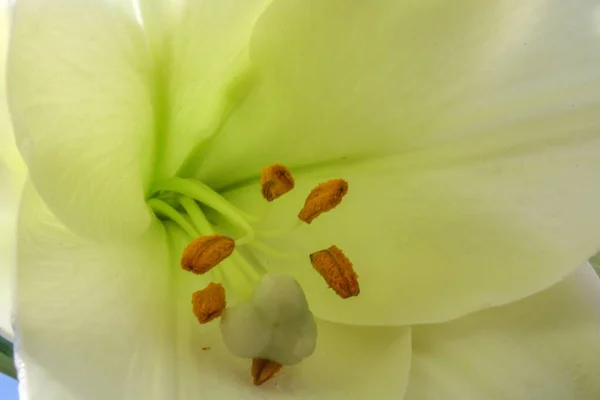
271	320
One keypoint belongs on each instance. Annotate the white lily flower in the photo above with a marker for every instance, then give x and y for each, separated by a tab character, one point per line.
466	133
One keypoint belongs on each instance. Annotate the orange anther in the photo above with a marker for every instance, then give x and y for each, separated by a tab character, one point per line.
337	270
263	370
203	253
209	302
275	181
325	197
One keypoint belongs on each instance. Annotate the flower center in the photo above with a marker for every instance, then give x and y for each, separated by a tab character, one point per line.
272	324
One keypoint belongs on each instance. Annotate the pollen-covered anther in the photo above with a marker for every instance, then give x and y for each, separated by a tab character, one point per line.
209	302
263	370
337	270
205	252
325	197
275	181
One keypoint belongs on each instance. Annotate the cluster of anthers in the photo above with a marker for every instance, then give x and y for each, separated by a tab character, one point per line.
275	327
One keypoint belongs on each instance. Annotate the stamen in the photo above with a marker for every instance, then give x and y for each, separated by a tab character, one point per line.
201	223
325	197
255	271
209	302
205	252
163	208
205	195
275	181
196	215
337	270
263	370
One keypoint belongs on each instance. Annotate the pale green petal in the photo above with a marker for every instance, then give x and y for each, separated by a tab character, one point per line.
349	362
79	91
94	320
488	190
159	17
12	174
344	80
204	62
544	347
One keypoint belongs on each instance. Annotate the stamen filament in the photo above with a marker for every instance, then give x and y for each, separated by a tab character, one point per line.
196	215
234	280
160	207
237	258
201	223
268	250
268	233
205	195
218	275
202	193
243	241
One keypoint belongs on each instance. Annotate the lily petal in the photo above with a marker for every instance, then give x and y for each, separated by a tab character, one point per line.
466	161
12	176
346	80
93	320
79	78
205	63
350	363
544	347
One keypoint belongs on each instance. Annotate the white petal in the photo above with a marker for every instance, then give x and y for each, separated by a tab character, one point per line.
348	363
544	347
12	174
341	81
491	148
204	55
80	98
94	320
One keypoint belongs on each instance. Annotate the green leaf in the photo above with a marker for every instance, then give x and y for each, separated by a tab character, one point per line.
7	363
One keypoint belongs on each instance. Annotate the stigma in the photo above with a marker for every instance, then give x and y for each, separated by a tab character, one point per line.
275	325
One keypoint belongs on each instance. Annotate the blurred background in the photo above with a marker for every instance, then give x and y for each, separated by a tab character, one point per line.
8	388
